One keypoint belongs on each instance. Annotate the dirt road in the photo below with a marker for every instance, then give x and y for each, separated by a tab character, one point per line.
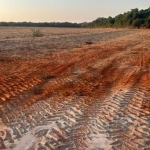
58	92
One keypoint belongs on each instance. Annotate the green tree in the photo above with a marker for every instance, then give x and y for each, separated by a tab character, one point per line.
137	23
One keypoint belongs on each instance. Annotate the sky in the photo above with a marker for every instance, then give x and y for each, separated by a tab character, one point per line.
65	10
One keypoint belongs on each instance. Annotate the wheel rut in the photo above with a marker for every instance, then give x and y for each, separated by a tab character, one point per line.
92	98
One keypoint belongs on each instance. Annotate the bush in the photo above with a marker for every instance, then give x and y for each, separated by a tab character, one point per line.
137	23
36	33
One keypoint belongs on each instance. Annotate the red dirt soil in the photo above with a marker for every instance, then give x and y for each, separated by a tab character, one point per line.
93	97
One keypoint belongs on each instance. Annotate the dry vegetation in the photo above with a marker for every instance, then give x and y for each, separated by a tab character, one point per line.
74	89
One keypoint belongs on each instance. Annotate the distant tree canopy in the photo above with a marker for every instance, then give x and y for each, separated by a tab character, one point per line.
40	24
135	18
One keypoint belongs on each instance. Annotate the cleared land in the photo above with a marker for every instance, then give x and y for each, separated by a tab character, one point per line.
75	89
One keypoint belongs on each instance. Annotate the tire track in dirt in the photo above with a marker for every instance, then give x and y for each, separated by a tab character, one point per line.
91	101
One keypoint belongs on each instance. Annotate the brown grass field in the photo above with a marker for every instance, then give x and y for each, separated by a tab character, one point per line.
74	89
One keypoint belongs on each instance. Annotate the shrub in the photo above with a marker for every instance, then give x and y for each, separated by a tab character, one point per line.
137	23
36	33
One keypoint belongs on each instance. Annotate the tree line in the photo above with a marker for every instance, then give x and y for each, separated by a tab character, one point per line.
40	24
135	19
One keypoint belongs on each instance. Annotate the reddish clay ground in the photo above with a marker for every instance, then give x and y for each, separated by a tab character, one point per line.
62	92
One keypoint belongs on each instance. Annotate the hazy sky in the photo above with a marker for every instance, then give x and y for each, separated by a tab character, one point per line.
65	10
